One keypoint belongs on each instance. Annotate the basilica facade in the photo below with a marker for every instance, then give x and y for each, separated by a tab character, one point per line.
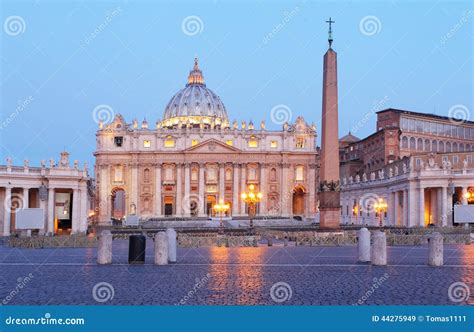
194	157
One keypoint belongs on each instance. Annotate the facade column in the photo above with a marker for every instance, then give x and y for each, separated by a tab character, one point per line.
464	199
42	205
444	207
187	188
75	211
312	190
202	199
7	211
391	208
158	187
103	203
263	190
396	208
235	190
51	203
179	194
421	209
26	198
243	187
450	208
134	187
221	182
285	191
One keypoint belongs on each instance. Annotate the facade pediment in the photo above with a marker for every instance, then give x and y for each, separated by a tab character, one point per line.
212	146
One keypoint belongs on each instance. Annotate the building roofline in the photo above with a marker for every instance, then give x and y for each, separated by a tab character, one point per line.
425	115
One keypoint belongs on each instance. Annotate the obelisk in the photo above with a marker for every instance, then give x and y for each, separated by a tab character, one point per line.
329	187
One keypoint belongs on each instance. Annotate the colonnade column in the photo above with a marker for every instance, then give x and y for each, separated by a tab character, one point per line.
7	212
75	211
158	185
464	198
396	206
84	211
243	186
235	190
263	190
421	209
391	208
26	198
179	194
187	188
444	206
412	208
51	197
405	208
201	190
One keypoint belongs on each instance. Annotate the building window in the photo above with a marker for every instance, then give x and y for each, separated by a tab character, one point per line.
469	159
168	174
455	159
146	175
118	140
404	142
194	142
299	173
418	161
273	144
412	143
229	142
253	143
211	174
147	143
228	174
252	174
445	159
300	143
169	142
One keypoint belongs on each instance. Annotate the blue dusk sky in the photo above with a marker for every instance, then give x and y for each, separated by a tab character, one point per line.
60	60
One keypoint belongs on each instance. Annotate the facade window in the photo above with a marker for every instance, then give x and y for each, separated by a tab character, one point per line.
147	143
228	175
445	159
253	143
146	175
211	174
404	123
168	174
273	175
418	161
419	144
455	159
412	143
118	141
469	159
299	173
404	142
300	143
229	142
427	145
441	146
455	147
273	144
448	147
194	142
169	142
252	174
118	174
194	174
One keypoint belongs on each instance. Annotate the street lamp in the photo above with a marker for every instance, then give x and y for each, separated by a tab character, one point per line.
221	208
251	198
381	207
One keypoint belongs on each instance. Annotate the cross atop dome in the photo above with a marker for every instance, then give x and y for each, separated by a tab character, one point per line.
195	75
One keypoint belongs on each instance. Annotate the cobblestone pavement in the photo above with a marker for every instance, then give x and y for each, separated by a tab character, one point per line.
227	276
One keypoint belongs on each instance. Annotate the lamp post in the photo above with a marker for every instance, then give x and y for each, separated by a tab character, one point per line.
380	207
221	208
251	197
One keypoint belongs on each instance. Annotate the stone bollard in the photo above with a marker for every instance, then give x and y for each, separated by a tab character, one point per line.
171	233
363	245
104	249
436	250
161	248
379	248
270	241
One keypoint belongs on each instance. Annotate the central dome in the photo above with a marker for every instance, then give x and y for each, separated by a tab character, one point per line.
195	104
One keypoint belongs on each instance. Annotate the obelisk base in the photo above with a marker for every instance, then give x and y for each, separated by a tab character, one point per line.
329	210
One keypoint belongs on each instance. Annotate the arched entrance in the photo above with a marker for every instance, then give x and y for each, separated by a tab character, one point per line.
118	203
210	202
298	200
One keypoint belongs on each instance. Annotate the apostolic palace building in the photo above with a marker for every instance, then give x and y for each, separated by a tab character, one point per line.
195	157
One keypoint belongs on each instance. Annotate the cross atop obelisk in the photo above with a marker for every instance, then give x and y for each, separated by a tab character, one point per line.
330	31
